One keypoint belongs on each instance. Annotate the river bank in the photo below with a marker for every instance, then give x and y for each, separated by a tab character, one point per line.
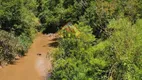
32	66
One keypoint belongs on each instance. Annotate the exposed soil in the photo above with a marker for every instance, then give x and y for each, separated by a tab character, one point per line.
35	65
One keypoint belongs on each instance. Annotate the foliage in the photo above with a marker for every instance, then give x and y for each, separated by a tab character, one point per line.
107	48
126	51
17	18
122	51
9	47
118	57
95	13
72	57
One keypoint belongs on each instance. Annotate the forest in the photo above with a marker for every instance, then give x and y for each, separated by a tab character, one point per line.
107	47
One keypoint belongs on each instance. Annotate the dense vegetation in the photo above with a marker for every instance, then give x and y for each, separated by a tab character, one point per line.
18	25
108	47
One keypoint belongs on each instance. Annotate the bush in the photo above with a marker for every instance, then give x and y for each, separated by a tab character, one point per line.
11	46
25	42
18	18
125	47
8	46
72	57
118	57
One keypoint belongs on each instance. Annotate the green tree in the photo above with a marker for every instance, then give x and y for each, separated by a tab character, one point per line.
125	48
72	56
17	18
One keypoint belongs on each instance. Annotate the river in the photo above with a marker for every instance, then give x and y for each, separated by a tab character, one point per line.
35	65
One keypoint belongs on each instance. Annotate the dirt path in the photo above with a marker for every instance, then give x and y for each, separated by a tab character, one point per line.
32	66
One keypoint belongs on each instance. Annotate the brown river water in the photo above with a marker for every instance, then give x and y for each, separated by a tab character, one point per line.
32	66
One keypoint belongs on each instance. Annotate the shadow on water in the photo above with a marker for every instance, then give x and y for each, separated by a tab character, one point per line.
54	27
14	62
51	29
55	39
53	44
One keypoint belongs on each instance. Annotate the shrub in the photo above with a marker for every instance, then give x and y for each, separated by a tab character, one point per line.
72	57
118	57
125	46
8	46
18	18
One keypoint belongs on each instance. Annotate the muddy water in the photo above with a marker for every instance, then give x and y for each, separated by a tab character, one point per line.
32	66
